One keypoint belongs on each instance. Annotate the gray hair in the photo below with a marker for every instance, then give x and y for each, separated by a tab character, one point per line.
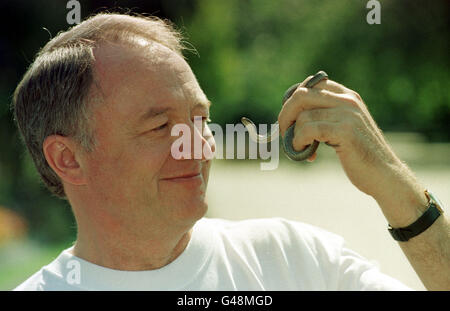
56	93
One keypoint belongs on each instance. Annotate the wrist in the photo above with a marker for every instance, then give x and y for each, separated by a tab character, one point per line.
403	199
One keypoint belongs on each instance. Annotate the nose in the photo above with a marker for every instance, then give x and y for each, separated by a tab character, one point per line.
201	148
200	144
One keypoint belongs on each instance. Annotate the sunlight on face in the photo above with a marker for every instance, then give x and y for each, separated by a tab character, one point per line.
148	89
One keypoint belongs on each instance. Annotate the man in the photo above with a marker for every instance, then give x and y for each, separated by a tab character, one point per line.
96	109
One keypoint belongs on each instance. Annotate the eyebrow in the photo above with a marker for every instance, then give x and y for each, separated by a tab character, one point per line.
156	111
153	112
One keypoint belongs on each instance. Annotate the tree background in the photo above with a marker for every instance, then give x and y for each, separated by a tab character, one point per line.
247	54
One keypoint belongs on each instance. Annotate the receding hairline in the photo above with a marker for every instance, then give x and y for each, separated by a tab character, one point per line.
129	31
112	27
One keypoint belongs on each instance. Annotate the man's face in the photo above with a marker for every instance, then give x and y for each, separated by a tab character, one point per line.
147	90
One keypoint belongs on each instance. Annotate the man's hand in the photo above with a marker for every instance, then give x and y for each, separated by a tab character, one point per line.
336	115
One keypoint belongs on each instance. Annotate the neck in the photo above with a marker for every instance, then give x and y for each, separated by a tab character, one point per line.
127	244
130	257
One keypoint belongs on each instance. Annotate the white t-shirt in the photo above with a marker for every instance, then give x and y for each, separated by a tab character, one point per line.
257	254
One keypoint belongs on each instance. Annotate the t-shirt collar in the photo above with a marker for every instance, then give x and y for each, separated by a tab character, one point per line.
174	276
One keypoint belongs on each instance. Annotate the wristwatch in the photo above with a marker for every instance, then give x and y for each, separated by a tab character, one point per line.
434	210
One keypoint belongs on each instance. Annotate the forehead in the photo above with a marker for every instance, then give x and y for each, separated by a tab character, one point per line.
137	76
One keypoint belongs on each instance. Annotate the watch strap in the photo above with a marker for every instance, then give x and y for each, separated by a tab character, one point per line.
419	226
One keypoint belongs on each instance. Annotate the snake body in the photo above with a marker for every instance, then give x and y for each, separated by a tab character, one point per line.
289	135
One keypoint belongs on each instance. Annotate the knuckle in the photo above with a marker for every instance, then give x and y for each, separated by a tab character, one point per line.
355	114
323	130
298	93
283	119
356	95
306	80
352	100
312	115
280	119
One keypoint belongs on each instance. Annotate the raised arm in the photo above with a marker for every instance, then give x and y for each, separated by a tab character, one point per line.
334	114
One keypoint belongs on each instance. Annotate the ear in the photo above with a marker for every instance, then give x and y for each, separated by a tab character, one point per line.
61	154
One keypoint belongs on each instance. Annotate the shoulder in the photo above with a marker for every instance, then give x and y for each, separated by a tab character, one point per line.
285	254
280	236
319	258
269	229
33	283
49	277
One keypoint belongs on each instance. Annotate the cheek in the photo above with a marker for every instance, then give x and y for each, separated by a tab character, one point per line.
125	166
105	167
150	157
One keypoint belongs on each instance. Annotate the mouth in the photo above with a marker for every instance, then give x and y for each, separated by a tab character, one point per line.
184	177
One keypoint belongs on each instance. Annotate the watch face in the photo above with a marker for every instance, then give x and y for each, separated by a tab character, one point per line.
436	201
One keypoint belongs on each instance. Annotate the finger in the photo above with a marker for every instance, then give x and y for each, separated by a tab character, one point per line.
331	86
303	83
327	84
335	114
336	87
312	158
321	131
304	98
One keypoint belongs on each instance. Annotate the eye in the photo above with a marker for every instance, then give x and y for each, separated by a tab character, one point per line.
161	127
205	120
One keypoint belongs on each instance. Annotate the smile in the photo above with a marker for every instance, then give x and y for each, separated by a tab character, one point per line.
184	178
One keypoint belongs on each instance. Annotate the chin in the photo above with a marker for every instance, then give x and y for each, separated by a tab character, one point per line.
185	201
189	212
197	211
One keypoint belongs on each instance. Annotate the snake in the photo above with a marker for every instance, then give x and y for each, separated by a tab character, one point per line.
288	149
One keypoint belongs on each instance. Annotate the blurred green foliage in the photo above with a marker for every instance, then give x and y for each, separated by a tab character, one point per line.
248	53
252	51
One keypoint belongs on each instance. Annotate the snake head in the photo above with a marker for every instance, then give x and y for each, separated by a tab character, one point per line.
258	138
289	136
